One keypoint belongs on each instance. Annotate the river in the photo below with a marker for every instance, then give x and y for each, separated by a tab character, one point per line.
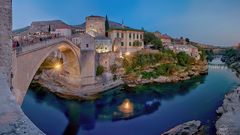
145	110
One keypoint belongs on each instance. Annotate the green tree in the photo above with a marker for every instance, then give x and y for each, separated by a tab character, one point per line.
183	59
100	70
149	37
106	26
157	44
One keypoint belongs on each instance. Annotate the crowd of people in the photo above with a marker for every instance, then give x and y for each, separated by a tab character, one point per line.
30	39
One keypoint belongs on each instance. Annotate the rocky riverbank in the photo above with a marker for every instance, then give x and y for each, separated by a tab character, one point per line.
188	128
57	84
229	120
195	70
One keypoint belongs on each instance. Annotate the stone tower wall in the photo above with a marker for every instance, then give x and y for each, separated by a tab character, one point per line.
5	39
95	25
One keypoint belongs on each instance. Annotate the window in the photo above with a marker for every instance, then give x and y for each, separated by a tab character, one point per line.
122	35
133	36
122	44
130	35
117	35
137	36
87	45
140	36
130	43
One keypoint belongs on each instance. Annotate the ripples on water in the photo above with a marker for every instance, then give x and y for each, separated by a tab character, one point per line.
145	110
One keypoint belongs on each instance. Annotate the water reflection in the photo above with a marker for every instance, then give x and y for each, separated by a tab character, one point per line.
127	108
122	103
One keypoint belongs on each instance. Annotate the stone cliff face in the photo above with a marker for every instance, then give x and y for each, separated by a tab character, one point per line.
228	123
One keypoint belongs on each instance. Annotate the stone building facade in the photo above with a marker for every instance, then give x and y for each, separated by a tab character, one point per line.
95	25
127	40
103	44
5	39
86	43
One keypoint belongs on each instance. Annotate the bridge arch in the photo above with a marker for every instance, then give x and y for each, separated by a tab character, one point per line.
27	62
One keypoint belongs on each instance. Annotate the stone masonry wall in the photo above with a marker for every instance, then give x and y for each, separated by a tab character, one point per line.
5	38
12	120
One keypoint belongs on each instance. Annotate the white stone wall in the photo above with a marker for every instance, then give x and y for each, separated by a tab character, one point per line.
85	42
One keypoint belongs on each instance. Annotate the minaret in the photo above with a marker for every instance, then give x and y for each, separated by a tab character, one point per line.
5	39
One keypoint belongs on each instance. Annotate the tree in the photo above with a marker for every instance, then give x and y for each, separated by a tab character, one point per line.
100	70
187	40
149	37
106	26
49	28
183	59
157	44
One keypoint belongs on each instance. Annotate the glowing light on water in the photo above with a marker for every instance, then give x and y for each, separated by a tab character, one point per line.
126	107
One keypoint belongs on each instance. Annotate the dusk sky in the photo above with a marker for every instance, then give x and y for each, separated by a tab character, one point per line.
206	21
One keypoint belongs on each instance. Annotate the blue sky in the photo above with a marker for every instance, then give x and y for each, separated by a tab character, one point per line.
206	21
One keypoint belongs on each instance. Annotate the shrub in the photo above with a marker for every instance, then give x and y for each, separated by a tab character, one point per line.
165	69
184	59
100	70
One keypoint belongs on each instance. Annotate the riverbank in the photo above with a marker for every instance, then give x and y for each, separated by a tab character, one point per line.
181	75
55	85
229	114
188	128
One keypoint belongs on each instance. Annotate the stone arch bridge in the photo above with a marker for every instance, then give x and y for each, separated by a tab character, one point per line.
27	60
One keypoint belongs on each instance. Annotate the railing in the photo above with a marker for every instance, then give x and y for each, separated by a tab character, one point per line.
29	48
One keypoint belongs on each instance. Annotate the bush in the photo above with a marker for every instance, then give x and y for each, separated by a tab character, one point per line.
100	70
184	59
148	75
165	69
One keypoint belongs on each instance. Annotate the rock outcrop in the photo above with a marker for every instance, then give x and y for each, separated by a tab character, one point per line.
188	128
229	121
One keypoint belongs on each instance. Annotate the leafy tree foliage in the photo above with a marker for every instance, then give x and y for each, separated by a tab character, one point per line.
184	59
150	38
100	70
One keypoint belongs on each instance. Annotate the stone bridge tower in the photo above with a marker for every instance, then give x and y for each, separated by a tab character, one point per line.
5	39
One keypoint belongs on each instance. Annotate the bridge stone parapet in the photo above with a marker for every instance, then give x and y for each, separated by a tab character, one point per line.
34	47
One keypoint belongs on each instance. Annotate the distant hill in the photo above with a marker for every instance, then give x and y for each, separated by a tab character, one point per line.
44	26
17	31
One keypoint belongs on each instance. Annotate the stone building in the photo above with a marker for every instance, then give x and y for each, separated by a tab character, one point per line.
95	25
86	43
65	31
126	40
106	60
103	44
166	39
188	49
